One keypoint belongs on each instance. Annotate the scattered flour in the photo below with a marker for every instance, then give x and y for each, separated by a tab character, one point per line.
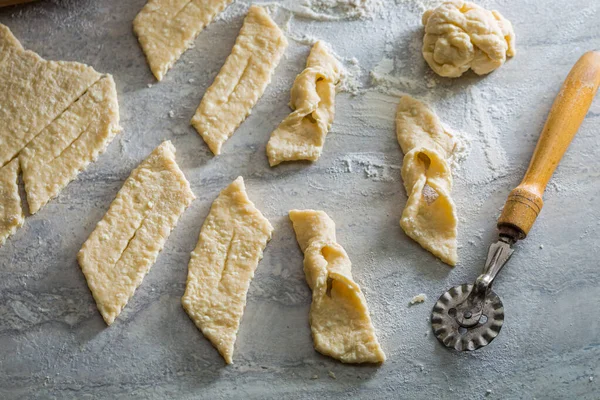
328	10
337	10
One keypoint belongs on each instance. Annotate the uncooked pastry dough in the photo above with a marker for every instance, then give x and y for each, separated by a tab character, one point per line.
460	35
70	143
34	92
339	317
429	217
11	213
167	28
56	117
126	242
230	245
242	79
301	135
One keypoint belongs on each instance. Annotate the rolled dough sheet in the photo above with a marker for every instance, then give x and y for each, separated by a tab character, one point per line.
167	28
301	135
339	317
242	80
230	245
34	92
126	242
11	213
70	143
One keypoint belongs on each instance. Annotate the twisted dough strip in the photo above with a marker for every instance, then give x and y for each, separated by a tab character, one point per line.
301	135
429	217
339	318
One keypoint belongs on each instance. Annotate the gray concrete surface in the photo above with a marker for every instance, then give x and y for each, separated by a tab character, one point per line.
54	344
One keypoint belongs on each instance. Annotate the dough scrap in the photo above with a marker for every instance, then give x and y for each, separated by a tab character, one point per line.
230	245
34	92
70	143
167	28
460	35
126	242
11	212
301	135
429	217
242	79
339	317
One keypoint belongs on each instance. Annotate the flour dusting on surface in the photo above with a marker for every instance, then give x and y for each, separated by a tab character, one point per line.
336	10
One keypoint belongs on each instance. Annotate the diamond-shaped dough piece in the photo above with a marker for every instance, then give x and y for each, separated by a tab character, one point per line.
339	318
34	92
70	143
230	245
429	217
301	135
167	28
126	242
242	80
11	212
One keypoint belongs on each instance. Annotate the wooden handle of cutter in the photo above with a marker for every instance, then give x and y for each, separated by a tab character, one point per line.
5	3
524	203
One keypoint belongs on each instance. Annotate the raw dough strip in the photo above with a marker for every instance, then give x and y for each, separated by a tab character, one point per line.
230	245
126	242
70	143
167	28
301	135
242	79
34	92
56	118
429	217
11	213
339	317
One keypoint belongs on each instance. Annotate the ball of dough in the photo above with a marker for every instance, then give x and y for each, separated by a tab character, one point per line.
460	35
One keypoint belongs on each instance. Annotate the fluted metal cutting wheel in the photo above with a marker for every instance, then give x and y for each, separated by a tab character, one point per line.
452	334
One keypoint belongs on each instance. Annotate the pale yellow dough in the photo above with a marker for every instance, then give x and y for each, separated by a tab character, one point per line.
70	143
460	35
242	79
230	245
126	242
301	135
56	117
167	28
11	213
339	318
34	92
429	217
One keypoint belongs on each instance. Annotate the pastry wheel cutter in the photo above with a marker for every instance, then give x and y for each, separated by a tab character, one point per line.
470	316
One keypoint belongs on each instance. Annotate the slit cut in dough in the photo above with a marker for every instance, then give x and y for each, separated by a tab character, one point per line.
70	143
429	217
339	318
230	245
34	92
11	212
301	135
126	242
242	80
167	28
57	117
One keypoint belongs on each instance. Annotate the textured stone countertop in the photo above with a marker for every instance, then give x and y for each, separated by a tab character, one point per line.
54	344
